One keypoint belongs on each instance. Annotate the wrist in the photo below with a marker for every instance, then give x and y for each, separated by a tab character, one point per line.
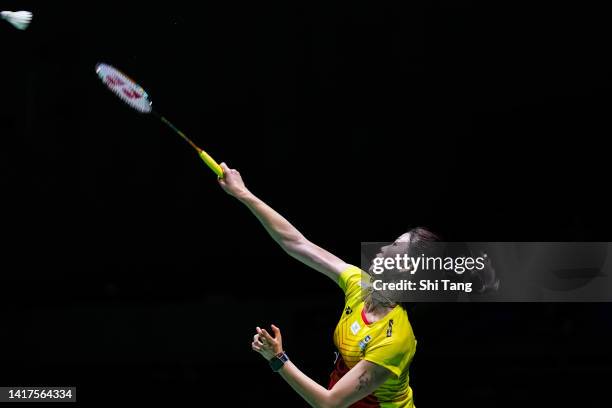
276	354
245	196
278	361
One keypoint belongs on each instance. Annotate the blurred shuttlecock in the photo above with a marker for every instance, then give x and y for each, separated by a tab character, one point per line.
20	19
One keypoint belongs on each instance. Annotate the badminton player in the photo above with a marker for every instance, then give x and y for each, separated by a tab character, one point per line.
374	337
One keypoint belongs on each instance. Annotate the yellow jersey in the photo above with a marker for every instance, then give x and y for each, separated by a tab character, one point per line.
388	342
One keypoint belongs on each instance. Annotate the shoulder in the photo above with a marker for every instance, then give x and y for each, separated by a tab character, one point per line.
352	280
348	276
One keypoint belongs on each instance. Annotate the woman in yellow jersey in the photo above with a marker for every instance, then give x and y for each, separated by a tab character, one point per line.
373	337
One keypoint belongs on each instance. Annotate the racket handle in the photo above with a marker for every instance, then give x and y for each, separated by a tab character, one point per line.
210	162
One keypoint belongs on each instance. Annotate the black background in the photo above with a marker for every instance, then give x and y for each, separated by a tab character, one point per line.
128	273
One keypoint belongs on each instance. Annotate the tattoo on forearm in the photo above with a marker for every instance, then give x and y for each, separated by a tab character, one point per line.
364	379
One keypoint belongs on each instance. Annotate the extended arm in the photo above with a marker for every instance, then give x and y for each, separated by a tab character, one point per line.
282	231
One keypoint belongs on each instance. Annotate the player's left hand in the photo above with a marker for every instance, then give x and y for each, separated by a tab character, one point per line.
265	344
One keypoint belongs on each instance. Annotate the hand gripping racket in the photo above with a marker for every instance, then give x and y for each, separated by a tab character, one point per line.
132	94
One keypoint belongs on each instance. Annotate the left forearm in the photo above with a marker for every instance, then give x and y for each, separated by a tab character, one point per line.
359	382
316	395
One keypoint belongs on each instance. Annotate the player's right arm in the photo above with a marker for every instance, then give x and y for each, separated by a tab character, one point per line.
286	235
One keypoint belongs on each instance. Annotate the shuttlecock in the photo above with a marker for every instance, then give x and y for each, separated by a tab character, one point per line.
20	19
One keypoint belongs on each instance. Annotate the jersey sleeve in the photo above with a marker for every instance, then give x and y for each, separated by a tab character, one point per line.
393	353
351	282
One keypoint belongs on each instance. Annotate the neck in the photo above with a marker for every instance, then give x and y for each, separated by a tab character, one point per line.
376	308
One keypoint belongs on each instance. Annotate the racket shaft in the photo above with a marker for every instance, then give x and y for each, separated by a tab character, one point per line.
181	134
210	162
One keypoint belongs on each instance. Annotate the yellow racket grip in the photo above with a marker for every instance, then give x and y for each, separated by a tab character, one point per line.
210	162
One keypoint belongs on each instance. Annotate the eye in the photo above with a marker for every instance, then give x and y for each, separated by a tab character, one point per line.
395	244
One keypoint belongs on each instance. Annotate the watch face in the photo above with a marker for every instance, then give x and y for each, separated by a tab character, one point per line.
278	361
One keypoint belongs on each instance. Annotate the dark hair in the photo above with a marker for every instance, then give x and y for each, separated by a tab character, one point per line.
421	236
421	239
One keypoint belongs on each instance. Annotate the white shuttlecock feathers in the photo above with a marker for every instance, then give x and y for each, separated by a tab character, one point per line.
20	19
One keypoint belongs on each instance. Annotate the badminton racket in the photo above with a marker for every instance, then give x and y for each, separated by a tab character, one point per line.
135	96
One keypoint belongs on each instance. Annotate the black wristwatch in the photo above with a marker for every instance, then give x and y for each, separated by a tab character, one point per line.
278	361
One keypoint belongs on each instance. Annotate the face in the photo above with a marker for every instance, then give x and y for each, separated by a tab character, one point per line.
397	247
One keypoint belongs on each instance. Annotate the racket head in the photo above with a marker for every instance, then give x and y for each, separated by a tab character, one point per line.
124	87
